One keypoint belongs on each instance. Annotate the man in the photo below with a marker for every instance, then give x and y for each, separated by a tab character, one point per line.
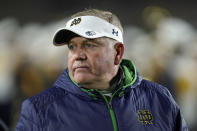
99	91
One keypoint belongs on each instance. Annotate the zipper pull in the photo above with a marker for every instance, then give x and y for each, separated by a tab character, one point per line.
110	104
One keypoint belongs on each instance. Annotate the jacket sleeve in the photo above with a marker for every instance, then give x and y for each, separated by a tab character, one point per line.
28	120
180	124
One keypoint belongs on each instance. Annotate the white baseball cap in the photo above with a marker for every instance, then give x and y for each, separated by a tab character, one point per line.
88	27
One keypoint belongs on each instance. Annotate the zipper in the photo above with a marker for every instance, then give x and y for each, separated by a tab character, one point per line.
113	117
110	108
108	103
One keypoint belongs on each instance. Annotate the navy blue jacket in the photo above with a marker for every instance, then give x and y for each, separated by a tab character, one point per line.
143	106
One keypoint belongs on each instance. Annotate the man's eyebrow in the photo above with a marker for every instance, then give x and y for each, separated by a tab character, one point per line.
91	40
95	41
71	42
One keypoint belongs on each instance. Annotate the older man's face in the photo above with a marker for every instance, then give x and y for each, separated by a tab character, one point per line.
91	61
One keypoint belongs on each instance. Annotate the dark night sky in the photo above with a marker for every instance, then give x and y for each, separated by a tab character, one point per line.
129	11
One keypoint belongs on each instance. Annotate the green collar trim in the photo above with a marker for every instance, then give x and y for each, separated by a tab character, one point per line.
72	79
130	73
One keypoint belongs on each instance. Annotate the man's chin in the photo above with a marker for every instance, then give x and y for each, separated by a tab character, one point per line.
82	79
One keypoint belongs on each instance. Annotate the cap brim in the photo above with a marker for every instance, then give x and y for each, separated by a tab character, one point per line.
63	36
89	27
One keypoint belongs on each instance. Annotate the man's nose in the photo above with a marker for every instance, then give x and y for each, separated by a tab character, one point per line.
80	54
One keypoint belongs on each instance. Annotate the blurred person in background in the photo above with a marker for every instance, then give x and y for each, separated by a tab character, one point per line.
7	88
99	90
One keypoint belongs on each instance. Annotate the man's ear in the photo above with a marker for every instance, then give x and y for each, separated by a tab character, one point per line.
119	51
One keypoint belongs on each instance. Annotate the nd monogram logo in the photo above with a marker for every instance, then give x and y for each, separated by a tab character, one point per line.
75	21
145	117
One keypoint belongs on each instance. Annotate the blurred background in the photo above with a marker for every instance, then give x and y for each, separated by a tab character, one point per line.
160	37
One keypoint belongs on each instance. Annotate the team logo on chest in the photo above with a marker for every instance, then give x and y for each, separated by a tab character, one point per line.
145	117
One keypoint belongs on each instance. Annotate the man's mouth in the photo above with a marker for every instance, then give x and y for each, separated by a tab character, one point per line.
81	68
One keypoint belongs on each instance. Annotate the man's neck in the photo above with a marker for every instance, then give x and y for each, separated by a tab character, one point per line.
115	83
107	87
96	85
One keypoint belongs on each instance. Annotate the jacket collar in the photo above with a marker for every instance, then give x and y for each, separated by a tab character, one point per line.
68	85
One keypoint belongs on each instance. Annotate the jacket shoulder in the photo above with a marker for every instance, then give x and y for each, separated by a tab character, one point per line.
46	97
153	87
158	93
33	108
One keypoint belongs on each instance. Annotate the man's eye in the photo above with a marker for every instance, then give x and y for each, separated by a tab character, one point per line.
71	47
89	45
